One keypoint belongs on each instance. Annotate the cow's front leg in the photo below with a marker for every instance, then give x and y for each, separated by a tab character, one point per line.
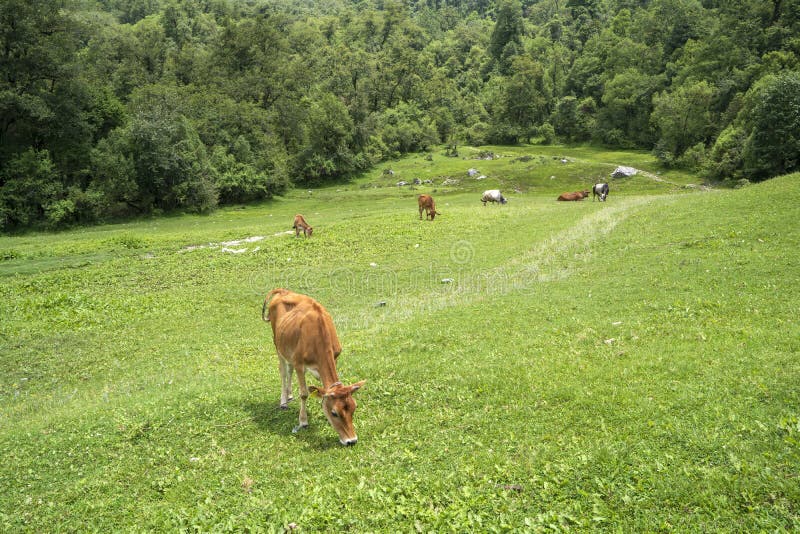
301	382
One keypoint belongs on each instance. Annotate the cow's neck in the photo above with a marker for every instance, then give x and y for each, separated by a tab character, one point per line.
327	372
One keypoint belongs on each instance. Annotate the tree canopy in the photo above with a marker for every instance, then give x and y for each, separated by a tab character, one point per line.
111	108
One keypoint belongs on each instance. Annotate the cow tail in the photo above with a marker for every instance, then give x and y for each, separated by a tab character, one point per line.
267	299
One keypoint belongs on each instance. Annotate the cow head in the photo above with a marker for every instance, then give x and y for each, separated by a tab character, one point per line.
309	231
339	405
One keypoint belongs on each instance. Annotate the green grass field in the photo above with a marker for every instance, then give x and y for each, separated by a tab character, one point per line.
630	365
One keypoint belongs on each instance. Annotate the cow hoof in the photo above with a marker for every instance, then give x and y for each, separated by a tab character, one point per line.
298	428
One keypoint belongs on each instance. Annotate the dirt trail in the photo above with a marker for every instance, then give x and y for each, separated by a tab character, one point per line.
554	258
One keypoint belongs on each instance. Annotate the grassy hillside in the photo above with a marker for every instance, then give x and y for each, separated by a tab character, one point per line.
628	365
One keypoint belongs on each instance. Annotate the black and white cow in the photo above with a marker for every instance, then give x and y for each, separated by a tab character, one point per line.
600	190
493	195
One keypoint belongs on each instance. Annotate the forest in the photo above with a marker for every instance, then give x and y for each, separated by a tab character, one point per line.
120	108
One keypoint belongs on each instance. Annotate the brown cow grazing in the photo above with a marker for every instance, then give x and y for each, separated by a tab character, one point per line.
575	195
427	204
306	340
301	224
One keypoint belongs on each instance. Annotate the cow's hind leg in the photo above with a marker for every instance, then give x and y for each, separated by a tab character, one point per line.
286	382
301	382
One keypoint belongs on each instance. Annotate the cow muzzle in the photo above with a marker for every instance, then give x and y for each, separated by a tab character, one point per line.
349	442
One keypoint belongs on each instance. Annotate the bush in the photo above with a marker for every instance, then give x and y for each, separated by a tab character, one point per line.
547	133
32	192
406	128
478	134
236	181
694	158
772	118
725	160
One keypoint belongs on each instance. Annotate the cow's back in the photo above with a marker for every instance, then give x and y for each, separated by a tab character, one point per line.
301	326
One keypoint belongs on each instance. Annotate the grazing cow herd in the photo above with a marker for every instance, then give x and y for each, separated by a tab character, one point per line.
598	190
305	337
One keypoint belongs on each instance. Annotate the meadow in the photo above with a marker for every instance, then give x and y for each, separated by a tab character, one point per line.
625	366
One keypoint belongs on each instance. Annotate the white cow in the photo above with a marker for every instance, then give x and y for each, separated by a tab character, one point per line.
493	195
600	190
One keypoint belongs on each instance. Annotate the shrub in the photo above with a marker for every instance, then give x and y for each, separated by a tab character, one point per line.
694	158
31	187
725	160
772	118
547	133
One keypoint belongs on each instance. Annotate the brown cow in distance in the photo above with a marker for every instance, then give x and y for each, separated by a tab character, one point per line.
575	195
427	204
300	224
306	340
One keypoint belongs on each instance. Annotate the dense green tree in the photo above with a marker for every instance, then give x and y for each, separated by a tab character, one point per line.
30	190
329	132
524	101
682	118
171	163
627	103
772	118
38	40
727	155
406	128
506	39
113	177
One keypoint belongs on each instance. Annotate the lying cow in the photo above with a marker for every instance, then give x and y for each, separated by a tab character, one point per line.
600	190
306	340
300	225
575	195
493	195
427	204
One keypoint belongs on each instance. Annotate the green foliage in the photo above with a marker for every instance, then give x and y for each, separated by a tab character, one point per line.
237	180
328	150
323	90
727	154
507	33
547	133
171	163
31	192
114	174
405	128
628	103
772	118
683	119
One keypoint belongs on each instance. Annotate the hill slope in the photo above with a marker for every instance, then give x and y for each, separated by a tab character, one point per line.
628	365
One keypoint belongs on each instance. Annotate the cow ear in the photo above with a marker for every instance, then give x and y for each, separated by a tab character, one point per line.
315	391
355	387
